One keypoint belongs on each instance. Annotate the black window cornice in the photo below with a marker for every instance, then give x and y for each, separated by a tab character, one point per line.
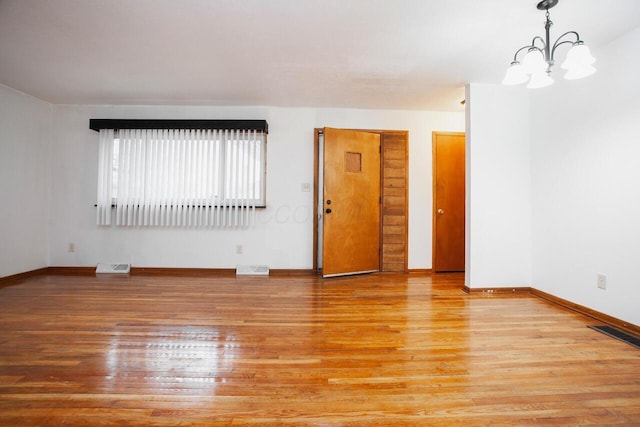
259	125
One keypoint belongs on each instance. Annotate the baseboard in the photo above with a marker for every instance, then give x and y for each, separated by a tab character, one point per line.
497	291
292	272
212	272
172	271
600	317
71	271
197	272
419	271
10	280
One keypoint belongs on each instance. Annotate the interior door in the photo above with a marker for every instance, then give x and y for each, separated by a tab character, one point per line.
448	201
351	205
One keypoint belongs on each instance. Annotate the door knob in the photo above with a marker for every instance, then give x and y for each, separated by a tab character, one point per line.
440	211
328	202
328	210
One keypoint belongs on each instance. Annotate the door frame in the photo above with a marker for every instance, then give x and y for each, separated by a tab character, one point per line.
316	163
433	193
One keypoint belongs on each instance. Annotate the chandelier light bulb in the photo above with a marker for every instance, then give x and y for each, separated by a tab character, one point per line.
578	56
534	62
540	80
515	74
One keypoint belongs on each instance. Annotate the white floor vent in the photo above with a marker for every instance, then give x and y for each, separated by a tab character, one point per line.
252	270
113	268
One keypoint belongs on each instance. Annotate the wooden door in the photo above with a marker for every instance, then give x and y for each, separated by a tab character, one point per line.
351	188
448	201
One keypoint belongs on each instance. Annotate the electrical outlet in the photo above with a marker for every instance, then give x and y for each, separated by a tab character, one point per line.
239	249
305	187
602	281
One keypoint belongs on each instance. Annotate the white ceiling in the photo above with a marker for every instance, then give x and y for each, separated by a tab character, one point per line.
390	54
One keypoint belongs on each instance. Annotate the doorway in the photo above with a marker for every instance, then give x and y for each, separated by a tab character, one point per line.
392	251
448	201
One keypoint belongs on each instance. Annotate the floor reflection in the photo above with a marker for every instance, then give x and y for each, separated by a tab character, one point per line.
184	359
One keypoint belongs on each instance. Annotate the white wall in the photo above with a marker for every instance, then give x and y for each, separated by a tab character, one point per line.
586	176
25	136
498	232
282	237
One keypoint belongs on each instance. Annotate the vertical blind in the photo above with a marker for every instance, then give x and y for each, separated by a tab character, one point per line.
180	177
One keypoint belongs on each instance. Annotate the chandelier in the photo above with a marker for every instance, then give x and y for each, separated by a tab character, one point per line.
540	57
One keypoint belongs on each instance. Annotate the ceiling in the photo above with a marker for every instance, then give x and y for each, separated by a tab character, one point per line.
380	54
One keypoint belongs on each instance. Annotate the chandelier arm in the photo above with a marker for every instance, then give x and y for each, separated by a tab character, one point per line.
515	56
560	42
533	42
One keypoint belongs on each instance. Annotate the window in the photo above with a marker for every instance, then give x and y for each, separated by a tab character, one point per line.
181	177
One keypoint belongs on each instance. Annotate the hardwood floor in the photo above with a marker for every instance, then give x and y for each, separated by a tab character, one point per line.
367	350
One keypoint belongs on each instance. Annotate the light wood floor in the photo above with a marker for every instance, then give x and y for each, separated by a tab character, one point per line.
369	350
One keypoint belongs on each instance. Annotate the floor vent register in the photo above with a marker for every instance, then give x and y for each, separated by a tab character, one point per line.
617	334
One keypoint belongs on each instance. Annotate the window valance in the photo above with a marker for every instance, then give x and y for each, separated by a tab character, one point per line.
257	125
